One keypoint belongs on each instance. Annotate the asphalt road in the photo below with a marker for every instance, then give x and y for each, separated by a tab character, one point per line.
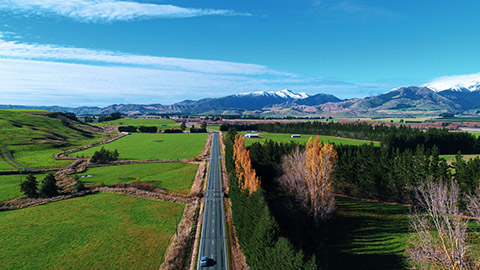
212	240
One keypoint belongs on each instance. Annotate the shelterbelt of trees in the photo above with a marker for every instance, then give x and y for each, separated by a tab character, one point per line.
386	173
392	137
257	230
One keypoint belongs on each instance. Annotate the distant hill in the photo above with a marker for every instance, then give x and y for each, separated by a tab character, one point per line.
402	101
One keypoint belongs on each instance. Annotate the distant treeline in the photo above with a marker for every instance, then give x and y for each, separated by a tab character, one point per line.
173	130
394	137
143	129
110	117
198	130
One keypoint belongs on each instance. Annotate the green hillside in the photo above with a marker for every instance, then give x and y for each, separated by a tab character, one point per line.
33	137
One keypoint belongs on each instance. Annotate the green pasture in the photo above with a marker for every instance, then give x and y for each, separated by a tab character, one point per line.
367	235
141	122
101	231
216	127
172	177
10	186
144	146
279	137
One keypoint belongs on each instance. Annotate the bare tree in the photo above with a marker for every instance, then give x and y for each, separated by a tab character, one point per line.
308	176
441	231
474	205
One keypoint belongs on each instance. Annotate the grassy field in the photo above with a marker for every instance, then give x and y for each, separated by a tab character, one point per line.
173	177
4	166
10	186
278	137
476	134
101	231
141	122
451	158
34	136
367	235
217	128
142	146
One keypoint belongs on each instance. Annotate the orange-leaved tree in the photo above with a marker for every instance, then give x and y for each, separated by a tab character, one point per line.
308	176
247	177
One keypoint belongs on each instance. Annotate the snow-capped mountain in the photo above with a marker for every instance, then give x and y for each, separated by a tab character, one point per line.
285	93
464	83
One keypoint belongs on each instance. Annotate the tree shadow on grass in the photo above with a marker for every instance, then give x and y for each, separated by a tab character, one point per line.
366	235
361	235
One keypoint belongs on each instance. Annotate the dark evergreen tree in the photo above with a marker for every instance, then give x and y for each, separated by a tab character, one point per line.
30	186
49	186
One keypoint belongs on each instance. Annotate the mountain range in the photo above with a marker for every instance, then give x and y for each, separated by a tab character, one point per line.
428	100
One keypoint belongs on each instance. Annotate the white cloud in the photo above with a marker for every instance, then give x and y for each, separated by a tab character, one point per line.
35	74
348	10
15	50
30	82
469	81
108	10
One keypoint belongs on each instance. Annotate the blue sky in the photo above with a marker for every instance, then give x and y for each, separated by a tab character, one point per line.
100	52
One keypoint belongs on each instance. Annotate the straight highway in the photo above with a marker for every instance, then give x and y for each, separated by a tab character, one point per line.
212	239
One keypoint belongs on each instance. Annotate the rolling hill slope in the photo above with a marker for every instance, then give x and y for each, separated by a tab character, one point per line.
33	136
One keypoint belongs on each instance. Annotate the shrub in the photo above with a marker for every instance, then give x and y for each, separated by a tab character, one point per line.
80	186
121	185
143	186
